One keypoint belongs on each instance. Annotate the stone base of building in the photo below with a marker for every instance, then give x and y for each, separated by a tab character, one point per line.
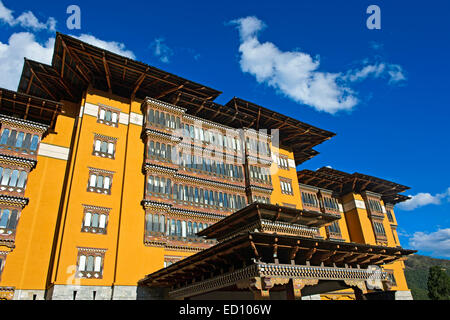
390	295
70	292
312	297
403	295
29	295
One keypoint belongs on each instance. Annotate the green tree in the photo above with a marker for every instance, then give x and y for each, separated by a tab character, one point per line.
438	284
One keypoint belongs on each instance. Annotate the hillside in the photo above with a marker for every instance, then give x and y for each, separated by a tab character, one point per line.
416	273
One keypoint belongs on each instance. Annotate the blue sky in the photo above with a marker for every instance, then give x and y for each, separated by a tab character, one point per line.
384	92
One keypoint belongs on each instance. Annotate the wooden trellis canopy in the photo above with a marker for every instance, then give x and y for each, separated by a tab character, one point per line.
78	65
341	183
28	107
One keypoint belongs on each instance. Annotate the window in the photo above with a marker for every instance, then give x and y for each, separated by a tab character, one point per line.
334	231
283	162
379	229
14	179
375	206
155	224
95	220
310	199
90	263
108	116
104	146
159	187
286	186
160	151
19	141
8	220
330	203
389	215
100	181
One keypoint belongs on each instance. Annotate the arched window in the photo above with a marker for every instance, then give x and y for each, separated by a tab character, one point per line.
158	149
92	180
162	119
14	178
6	176
178	228
114	118
34	143
94	223
98	264
111	148
189	229
100	182
163	151
162	223
148	222
102	223
155	223
27	141
102	114
5	136
151	116
82	263
13	220
183	229
108	116
19	141
87	219
195	230
12	138
107	183
98	145
4	218
90	264
104	147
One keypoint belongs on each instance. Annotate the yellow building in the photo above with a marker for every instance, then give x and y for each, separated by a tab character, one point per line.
110	168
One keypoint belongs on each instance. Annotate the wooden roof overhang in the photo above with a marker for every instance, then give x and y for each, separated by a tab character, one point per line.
29	107
260	211
41	80
247	249
238	113
342	183
78	65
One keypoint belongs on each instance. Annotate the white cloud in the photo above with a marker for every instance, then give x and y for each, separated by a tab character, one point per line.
296	74
161	50
423	199
438	243
113	46
12	53
24	45
25	20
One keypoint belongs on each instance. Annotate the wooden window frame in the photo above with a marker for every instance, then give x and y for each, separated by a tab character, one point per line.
92	275
113	111
108	140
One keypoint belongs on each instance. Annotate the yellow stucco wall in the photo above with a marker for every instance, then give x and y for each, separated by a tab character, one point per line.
127	259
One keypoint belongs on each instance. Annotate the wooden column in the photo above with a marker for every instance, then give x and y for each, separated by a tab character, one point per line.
260	288
293	290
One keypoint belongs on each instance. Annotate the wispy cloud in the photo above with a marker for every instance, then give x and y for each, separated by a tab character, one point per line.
296	74
423	199
438	243
12	53
161	50
25	20
22	45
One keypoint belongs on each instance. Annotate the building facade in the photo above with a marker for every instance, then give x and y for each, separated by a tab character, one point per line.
110	168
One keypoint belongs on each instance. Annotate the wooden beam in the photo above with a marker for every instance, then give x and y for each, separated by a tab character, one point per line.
165	93
108	76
